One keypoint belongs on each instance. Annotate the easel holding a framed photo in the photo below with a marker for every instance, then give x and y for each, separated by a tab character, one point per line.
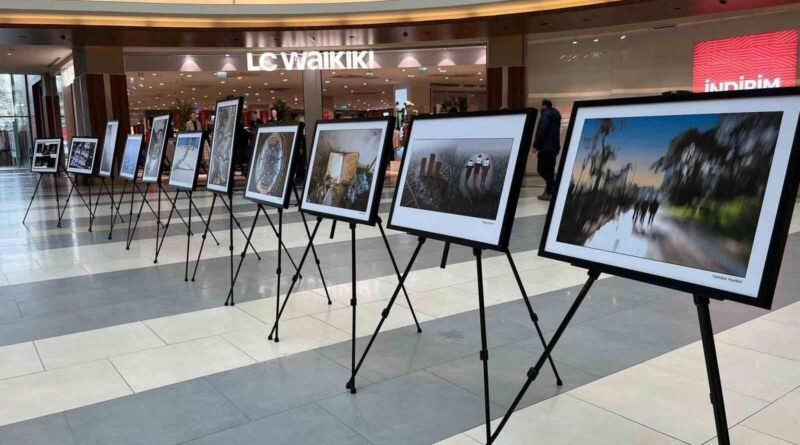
106	170
344	182
698	198
81	162
228	116
459	182
46	160
269	182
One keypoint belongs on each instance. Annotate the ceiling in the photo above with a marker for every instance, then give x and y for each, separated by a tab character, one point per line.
26	59
358	89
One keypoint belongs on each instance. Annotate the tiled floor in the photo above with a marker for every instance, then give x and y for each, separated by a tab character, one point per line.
100	345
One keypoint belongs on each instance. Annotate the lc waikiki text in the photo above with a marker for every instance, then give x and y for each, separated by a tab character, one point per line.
743	84
311	60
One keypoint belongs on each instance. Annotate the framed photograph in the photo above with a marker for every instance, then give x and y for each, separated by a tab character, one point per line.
693	193
130	157
82	152
461	175
346	169
272	164
109	146
186	160
156	148
46	155
220	165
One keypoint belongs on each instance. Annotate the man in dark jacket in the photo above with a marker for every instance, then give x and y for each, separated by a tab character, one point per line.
547	143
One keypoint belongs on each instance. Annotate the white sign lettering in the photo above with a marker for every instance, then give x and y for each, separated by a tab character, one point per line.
743	84
311	60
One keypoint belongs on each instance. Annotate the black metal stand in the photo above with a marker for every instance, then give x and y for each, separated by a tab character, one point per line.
114	205
712	368
313	249
281	245
445	252
188	237
397	273
230	234
205	234
169	219
131	232
281	306
333	228
531	313
534	371
353	304
32	198
385	312
72	188
484	353
236	221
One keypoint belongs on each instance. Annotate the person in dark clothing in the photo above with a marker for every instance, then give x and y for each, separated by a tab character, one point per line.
547	144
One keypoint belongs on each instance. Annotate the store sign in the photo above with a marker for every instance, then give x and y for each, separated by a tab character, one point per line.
310	60
746	62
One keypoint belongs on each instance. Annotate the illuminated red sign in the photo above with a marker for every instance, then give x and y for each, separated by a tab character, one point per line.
746	62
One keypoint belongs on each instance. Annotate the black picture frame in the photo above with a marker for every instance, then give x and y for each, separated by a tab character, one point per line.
237	125
167	130
514	191
290	172
386	149
780	231
196	166
138	154
58	166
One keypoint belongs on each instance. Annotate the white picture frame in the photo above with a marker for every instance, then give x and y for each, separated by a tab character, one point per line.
456	196
274	146
82	154
129	166
46	155
361	147
109	149
719	267
185	161
220	164
156	148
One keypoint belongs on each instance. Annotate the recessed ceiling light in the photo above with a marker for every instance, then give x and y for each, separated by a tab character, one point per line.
596	40
574	42
622	37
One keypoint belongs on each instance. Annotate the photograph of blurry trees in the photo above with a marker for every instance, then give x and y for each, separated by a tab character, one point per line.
683	189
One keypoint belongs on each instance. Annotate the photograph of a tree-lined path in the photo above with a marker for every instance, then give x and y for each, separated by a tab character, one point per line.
682	189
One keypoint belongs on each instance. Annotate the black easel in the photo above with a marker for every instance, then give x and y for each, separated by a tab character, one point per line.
114	205
278	233
534	371
75	188
32	198
174	209
712	369
188	237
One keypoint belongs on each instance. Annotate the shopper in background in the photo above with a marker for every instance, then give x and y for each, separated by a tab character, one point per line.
547	143
193	124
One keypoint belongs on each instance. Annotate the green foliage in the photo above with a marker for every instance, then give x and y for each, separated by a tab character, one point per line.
183	110
283	110
736	218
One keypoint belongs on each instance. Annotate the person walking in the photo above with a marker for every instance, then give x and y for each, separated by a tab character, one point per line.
193	124
547	144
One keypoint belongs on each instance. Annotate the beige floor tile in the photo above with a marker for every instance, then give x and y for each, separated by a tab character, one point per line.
504	288
558	276
170	364
469	269
664	401
461	439
19	359
42	274
296	335
433	278
741	435
445	301
367	291
48	392
199	324
789	315
745	371
765	336
300	304
780	419
82	347
369	315
565	420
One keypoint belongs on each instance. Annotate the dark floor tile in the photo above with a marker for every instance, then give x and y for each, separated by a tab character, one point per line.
268	388
508	366
47	430
168	415
9	311
309	424
417	408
